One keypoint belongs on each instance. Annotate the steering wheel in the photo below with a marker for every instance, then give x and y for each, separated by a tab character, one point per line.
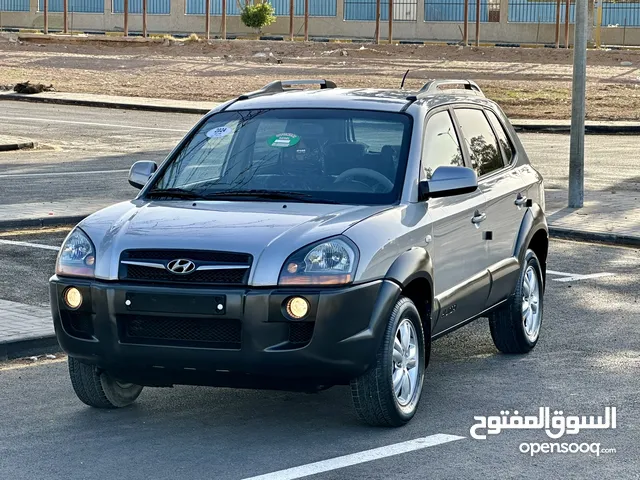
368	173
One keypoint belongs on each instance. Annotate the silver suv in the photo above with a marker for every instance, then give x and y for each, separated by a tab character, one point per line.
299	238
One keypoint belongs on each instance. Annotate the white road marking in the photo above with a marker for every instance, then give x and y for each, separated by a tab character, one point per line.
28	244
52	174
356	458
570	277
112	125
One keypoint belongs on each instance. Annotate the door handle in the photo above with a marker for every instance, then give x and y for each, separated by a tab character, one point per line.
478	218
520	200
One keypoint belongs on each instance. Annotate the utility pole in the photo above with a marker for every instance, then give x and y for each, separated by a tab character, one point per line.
291	14
223	21
578	107
390	21
207	18
46	16
378	22
557	23
65	16
126	18
306	20
478	23
465	35
567	17
144	18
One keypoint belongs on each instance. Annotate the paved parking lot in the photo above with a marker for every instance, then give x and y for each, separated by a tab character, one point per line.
587	359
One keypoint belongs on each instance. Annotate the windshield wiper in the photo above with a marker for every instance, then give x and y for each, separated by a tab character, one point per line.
174	193
267	194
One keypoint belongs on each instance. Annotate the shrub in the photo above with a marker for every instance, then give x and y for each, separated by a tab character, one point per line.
258	16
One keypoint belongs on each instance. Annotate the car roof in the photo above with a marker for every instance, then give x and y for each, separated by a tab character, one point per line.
392	100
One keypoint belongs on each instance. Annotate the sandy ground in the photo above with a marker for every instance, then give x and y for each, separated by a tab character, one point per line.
528	83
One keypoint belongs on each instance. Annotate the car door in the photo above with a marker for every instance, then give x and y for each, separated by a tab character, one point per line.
460	275
491	154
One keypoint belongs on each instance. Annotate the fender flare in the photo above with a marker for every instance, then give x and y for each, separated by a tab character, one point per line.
534	221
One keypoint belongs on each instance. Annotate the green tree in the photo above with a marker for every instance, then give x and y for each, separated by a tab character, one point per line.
257	15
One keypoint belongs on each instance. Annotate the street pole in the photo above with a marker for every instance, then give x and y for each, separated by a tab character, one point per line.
557	23
126	18
291	14
465	36
378	21
207	19
477	23
306	20
578	107
65	16
144	18
223	21
567	16
46	16
390	21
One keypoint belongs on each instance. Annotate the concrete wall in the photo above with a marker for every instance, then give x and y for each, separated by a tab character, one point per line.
178	22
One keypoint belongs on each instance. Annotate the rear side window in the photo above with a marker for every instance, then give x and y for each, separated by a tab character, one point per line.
482	143
441	146
507	148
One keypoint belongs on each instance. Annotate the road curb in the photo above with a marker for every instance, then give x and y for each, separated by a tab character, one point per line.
104	104
594	237
603	129
41	222
10	350
8	147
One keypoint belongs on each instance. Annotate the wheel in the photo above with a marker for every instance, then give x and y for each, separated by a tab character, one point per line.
389	392
515	326
99	389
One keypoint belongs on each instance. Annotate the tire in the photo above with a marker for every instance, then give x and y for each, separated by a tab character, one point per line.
374	398
512	329
99	389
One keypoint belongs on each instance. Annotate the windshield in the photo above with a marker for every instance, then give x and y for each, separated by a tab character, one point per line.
317	155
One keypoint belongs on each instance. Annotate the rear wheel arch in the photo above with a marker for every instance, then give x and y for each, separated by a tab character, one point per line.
534	235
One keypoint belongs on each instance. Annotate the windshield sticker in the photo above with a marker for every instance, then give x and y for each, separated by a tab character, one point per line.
219	132
283	140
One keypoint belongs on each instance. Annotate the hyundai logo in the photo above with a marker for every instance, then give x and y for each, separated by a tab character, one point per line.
181	266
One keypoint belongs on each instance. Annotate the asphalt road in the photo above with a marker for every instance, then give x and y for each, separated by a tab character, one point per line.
86	153
587	359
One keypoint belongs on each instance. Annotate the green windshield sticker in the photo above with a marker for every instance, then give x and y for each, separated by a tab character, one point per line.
283	140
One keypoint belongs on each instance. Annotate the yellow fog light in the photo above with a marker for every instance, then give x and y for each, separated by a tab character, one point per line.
297	307
73	297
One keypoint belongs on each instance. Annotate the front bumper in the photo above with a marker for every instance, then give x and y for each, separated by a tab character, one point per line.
157	335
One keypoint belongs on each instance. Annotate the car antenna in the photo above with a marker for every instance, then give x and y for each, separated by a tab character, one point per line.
404	78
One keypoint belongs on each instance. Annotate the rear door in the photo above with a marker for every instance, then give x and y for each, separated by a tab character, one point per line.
459	254
491	154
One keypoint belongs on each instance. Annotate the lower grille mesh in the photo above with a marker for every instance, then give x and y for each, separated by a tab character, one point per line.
212	332
300	333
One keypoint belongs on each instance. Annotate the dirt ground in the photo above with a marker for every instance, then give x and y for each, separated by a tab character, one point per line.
528	83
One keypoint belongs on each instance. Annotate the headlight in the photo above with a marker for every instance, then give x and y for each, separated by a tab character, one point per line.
330	262
77	256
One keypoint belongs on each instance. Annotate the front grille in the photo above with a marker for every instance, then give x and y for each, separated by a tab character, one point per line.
300	333
234	276
196	255
224	276
160	330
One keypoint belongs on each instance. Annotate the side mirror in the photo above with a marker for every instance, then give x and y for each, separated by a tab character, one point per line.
141	172
447	182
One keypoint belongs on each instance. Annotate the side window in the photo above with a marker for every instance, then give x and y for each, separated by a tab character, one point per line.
482	143
441	146
507	148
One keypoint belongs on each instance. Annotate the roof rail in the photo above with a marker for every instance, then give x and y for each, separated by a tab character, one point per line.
279	86
432	87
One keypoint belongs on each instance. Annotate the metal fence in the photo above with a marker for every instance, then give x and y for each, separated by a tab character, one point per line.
154	7
197	7
453	10
621	13
317	8
403	10
535	11
14	5
75	6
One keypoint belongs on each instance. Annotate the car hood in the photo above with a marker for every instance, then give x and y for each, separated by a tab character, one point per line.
270	231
